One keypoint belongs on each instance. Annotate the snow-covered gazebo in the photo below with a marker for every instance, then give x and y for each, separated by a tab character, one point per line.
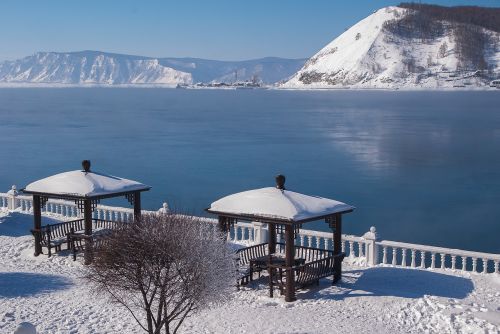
286	210
86	188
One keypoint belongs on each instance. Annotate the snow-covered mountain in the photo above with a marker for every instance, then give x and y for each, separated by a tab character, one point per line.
405	48
89	67
101	68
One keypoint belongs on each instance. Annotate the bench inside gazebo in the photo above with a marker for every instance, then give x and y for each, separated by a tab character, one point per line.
86	188
289	265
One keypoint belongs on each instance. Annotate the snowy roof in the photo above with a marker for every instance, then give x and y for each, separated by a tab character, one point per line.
79	183
277	204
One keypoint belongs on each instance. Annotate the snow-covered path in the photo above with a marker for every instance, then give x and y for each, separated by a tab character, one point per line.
50	294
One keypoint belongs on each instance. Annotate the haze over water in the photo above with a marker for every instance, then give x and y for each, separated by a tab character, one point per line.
422	167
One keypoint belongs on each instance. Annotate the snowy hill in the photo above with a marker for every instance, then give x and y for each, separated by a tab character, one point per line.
90	67
399	47
100	68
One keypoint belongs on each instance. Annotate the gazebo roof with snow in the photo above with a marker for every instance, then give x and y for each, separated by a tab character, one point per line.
285	211
277	205
84	184
86	188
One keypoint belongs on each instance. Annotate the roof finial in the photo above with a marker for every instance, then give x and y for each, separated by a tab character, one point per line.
280	181
86	166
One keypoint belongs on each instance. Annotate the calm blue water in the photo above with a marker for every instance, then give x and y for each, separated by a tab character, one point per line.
422	167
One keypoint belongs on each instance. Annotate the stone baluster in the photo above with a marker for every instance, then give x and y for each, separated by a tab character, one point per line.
302	240
326	243
413	258
236	229
496	267
485	266
403	259
342	245
433	260
384	255
443	264
422	259
351	249
394	256
360	249
474	264
453	262
464	263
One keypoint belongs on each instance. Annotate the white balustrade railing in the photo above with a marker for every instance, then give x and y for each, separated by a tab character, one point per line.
430	257
365	248
4	200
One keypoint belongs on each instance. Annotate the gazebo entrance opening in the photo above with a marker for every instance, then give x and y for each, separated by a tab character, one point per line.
86	188
289	265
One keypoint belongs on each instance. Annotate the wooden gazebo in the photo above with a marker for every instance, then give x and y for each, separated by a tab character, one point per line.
86	188
286	210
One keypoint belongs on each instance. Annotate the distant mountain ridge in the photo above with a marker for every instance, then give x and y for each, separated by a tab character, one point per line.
410	46
102	68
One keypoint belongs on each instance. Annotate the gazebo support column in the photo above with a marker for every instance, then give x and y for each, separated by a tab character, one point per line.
222	226
272	238
37	225
137	206
289	257
87	216
337	247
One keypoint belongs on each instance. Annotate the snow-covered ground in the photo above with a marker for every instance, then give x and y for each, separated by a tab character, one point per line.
51	294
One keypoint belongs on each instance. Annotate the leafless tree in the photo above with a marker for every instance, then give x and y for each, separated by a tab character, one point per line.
163	269
442	50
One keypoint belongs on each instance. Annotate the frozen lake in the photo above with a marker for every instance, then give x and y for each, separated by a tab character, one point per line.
422	167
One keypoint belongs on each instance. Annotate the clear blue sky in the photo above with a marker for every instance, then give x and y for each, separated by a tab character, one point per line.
214	29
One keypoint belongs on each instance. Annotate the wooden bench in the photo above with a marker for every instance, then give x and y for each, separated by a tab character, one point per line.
243	258
308	273
79	242
54	235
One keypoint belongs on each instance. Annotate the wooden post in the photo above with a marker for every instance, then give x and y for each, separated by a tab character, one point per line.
137	206
272	238
289	257
222	226
87	216
337	247
37	224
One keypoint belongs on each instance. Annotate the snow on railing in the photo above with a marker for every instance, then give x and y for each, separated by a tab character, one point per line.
364	250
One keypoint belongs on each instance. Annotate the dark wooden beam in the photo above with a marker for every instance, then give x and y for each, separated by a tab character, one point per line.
337	247
137	206
266	219
37	223
289	259
272	238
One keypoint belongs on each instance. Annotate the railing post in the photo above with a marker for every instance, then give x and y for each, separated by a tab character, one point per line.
371	247
259	233
12	199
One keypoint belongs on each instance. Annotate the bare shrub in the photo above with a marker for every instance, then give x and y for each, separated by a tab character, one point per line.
163	269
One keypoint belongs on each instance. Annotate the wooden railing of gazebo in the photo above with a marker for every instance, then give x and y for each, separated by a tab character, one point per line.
55	235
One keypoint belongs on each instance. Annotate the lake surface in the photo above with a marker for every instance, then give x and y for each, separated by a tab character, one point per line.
422	167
